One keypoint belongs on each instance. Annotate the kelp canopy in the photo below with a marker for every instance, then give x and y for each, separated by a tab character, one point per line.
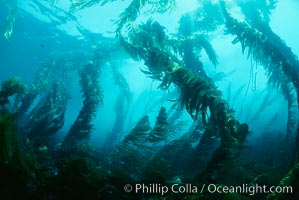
163	96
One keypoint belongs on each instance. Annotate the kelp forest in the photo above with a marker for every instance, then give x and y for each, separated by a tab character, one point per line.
175	100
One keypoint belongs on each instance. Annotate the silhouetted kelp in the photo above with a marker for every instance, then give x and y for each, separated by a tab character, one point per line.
131	13
56	69
14	168
122	105
186	49
47	117
257	11
93	97
129	156
266	47
161	129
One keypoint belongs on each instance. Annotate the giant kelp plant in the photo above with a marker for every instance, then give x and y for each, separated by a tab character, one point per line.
121	108
160	131
189	133
48	116
199	97
257	11
9	141
264	46
93	97
13	166
127	157
55	70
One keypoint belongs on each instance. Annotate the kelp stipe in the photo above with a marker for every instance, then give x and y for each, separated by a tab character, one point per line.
92	98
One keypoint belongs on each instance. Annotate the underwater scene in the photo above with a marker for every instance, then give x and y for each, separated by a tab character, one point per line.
149	99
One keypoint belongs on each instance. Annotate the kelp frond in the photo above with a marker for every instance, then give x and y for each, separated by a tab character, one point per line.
146	40
130	14
121	107
264	46
200	41
156	6
129	154
207	17
202	99
38	86
149	34
10	19
135	52
162	5
82	4
161	129
92	98
143	41
257	11
195	41
47	117
138	134
123	85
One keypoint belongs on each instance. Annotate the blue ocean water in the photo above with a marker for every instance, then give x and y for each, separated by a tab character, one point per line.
87	94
